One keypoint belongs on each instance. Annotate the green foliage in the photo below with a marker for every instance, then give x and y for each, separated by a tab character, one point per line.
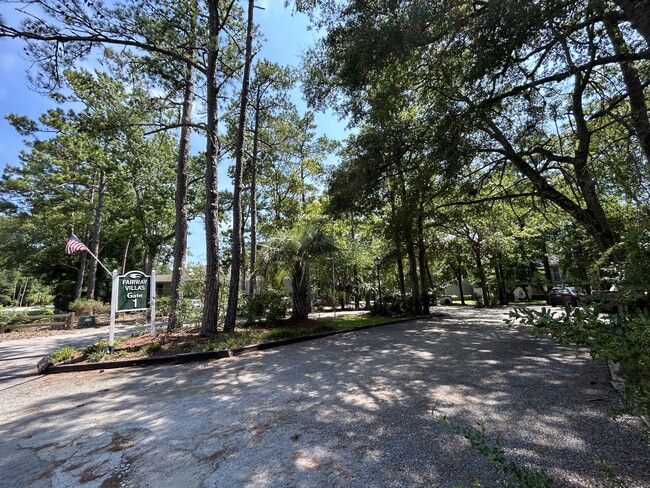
84	306
189	313
96	356
41	311
162	306
151	348
63	353
623	339
8	318
511	474
270	304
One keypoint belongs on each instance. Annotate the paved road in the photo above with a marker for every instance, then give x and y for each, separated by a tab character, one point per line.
350	410
18	357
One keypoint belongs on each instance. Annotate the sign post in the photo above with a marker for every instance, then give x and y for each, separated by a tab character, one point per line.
152	299
130	292
111	333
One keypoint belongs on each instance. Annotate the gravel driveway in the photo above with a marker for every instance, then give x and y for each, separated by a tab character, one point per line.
350	410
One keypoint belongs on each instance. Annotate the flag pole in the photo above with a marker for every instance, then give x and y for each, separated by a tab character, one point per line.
96	258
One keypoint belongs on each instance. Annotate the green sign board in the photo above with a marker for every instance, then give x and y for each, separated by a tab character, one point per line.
133	292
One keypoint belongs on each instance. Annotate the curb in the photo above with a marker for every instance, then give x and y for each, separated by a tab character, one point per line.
46	367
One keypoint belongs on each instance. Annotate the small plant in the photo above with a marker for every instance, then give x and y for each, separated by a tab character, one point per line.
162	306
185	345
151	348
279	334
63	353
210	346
96	356
89	307
270	304
97	346
492	451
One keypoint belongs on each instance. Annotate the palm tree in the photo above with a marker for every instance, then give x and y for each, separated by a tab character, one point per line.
290	252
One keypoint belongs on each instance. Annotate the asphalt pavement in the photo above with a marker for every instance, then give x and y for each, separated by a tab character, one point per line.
359	409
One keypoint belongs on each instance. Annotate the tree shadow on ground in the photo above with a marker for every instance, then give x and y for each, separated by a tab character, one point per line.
350	410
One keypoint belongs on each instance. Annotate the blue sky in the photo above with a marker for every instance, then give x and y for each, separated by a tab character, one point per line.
286	39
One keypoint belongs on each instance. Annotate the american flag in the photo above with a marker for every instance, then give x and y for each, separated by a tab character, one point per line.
74	245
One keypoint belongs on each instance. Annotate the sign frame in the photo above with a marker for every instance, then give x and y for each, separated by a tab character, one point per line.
151	302
125	294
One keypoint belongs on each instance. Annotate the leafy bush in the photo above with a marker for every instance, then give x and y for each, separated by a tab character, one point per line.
151	348
162	306
97	346
41	311
396	302
63	353
83	306
270	304
96	356
8	318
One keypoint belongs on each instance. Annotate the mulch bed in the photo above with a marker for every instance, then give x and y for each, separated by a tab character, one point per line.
180	341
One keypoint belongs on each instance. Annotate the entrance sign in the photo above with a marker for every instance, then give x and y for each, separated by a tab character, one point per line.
132	291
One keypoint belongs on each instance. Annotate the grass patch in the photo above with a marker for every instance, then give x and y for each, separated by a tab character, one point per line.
63	353
96	356
352	321
96	347
151	348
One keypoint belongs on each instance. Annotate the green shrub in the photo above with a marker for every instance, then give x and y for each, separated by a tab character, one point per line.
162	306
279	334
96	356
83	306
97	346
41	311
63	353
270	304
151	348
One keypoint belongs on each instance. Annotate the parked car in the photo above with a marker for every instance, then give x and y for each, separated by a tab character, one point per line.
564	295
446	300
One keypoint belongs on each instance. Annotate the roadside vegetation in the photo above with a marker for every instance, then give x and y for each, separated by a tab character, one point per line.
189	339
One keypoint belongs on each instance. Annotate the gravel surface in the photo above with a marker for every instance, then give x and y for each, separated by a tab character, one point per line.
357	409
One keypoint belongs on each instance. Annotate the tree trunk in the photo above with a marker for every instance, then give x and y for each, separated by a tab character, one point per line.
638	108
592	218
235	268
422	259
480	270
413	272
253	204
99	209
242	262
180	200
458	271
211	298
401	277
547	264
125	255
83	264
638	13
78	287
501	281
301	300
